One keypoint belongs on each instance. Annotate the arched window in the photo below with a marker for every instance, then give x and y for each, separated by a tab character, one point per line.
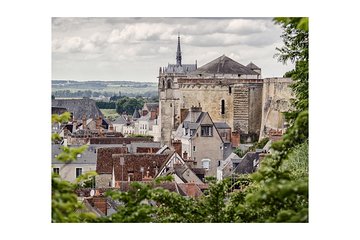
168	83
223	106
163	84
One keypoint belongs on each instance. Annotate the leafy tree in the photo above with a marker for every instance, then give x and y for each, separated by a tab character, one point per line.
129	105
65	206
280	195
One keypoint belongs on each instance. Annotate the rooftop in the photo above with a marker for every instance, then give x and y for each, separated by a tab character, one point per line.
224	65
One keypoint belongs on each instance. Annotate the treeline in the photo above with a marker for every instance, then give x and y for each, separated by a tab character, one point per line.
124	104
90	93
106	105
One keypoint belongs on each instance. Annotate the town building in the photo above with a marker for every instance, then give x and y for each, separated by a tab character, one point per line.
229	91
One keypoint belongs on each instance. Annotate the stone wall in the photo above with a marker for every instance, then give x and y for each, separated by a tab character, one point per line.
276	99
242	98
247	110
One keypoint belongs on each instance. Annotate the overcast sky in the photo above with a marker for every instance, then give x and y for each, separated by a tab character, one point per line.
134	48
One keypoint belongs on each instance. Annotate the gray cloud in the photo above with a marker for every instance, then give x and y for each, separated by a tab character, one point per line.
144	44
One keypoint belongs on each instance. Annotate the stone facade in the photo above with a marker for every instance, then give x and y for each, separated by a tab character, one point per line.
234	100
229	91
277	96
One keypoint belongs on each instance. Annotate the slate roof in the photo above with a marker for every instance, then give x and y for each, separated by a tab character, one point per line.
252	66
79	107
221	125
87	157
136	114
246	164
152	106
135	145
120	120
224	65
184	68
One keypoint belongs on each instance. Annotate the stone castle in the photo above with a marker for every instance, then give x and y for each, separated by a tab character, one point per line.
229	91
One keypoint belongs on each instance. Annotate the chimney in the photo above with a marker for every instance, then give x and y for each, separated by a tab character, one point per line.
177	146
74	124
194	112
153	114
235	139
185	155
98	122
191	189
101	204
183	113
84	121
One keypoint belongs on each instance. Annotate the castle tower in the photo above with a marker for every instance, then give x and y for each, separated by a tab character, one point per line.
169	95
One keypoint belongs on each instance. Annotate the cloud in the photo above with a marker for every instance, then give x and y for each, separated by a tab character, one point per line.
148	43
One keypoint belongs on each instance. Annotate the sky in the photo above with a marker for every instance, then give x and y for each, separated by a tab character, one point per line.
134	48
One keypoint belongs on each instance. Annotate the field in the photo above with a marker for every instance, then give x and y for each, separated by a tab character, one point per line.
64	88
110	114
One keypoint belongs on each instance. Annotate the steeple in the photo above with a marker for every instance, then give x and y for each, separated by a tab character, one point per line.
178	52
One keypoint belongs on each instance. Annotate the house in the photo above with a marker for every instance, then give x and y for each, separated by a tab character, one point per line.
128	167
234	165
119	123
148	125
200	141
176	167
85	162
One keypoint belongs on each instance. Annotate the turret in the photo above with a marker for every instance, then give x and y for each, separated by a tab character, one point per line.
178	52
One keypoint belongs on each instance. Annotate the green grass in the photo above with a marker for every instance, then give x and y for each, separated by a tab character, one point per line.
110	113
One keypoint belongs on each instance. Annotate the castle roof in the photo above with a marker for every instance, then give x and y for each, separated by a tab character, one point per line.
224	65
184	68
252	66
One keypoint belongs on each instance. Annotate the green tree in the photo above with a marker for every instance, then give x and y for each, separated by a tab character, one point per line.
65	206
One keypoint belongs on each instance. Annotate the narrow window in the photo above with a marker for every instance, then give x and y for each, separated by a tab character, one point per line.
168	84
194	148
205	163
223	106
229	90
56	170
78	172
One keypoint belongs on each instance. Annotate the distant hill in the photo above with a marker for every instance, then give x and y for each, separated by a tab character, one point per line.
73	88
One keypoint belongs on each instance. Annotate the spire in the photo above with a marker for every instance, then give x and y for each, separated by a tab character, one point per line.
178	52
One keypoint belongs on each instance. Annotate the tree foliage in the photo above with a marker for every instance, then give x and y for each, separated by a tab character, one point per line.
65	206
128	105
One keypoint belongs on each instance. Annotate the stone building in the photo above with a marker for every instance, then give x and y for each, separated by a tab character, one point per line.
201	142
229	91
